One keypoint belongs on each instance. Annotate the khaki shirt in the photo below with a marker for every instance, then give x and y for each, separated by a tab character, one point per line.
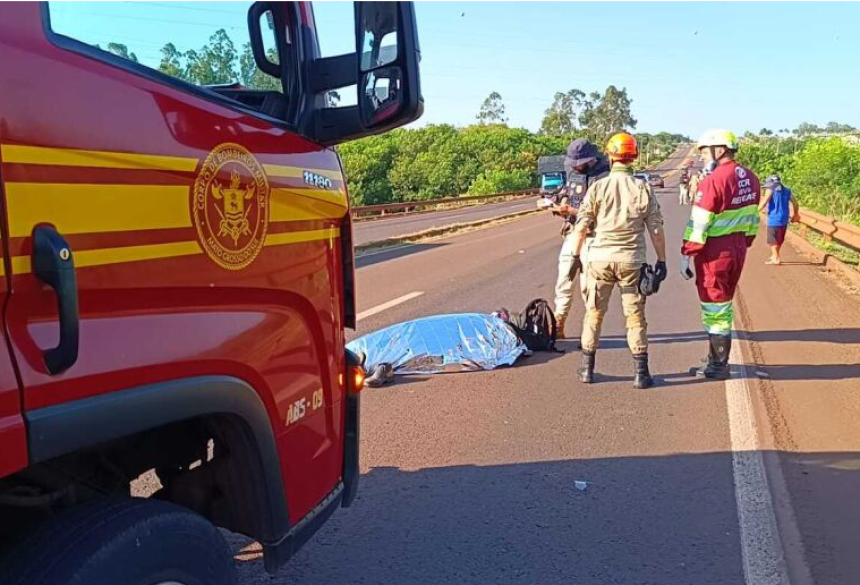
619	209
694	182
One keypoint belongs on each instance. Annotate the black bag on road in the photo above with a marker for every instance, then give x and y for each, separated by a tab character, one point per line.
535	326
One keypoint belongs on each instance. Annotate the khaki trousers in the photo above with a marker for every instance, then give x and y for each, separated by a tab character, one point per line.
564	286
601	279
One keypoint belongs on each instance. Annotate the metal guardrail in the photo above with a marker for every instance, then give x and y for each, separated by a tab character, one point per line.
832	229
366	211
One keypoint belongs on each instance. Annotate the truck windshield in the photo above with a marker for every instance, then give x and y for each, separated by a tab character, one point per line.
551	180
204	43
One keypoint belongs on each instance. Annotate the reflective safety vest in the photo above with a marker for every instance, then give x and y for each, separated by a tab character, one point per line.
726	203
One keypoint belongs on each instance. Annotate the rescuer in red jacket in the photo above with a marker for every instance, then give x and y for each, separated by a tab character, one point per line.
723	224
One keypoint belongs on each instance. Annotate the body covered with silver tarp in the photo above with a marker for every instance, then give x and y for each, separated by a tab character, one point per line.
443	343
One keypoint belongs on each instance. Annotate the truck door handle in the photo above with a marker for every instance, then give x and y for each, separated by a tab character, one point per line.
54	265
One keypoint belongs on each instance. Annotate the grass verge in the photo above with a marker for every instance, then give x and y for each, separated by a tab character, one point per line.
845	254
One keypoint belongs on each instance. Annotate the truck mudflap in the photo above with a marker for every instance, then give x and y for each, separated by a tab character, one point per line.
277	554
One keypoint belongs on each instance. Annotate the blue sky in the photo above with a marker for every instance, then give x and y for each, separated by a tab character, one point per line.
687	66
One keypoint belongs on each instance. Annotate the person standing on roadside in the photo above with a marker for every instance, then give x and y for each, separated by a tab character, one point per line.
618	210
781	208
723	224
693	186
684	187
584	165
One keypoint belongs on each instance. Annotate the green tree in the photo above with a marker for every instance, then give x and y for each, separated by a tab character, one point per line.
251	76
367	163
499	181
492	110
561	118
824	173
122	51
427	164
171	61
807	129
608	113
214	63
765	132
837	128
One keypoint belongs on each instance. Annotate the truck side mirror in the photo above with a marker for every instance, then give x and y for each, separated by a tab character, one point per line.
389	93
384	69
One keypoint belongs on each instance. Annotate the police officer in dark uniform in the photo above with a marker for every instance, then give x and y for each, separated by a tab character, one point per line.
584	164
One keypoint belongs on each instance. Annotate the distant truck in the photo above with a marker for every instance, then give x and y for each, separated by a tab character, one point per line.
552	174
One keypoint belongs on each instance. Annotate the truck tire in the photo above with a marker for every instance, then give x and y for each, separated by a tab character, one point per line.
128	541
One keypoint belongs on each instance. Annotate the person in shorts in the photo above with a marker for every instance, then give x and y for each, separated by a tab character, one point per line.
781	208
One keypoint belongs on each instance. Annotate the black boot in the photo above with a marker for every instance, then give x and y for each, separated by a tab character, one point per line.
717	368
586	368
643	377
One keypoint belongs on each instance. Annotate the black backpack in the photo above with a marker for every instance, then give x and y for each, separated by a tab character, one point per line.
535	326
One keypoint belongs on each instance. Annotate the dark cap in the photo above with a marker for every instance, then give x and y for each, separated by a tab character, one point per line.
581	152
773	182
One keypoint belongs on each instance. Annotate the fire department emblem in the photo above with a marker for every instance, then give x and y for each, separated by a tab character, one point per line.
230	206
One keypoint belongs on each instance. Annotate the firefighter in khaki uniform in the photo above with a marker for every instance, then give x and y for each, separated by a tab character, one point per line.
619	209
693	187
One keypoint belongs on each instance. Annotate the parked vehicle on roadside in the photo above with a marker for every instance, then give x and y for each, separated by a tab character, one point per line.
656	180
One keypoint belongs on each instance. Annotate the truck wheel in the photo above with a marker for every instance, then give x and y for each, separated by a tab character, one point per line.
124	541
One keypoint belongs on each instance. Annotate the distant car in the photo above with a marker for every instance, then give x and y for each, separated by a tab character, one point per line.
656	181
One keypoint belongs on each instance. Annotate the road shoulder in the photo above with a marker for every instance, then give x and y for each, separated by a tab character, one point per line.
803	334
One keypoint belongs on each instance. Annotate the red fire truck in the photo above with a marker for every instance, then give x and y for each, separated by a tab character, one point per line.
177	275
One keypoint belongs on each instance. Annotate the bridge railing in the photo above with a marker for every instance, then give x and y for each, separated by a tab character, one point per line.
831	229
370	211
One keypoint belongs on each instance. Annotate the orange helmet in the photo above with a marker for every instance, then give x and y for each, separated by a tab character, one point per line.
622	147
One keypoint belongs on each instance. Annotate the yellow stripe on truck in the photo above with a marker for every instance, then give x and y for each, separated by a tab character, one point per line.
91	209
305	204
301	237
85	209
40	155
106	256
69	157
335	200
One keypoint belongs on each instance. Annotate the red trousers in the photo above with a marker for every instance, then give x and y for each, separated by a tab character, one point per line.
719	266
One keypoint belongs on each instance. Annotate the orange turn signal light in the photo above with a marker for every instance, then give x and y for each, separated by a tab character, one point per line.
356	378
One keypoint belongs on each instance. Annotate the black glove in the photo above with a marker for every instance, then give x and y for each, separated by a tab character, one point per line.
660	271
575	267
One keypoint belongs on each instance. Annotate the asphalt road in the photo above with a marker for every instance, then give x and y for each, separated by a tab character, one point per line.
375	230
471	478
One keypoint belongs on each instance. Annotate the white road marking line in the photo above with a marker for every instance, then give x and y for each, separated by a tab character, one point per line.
384	251
385	306
761	546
